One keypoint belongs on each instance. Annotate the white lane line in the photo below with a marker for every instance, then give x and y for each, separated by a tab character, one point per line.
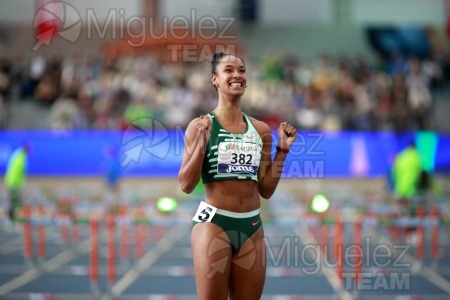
145	262
329	273
11	246
47	266
426	272
16	244
436	279
14	241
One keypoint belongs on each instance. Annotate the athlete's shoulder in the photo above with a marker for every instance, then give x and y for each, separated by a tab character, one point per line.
260	126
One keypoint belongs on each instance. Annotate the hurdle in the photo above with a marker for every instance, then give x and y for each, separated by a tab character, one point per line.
129	230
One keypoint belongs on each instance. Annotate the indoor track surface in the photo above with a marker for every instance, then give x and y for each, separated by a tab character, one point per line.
347	253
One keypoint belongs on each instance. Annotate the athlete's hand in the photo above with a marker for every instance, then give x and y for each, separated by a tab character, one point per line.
287	135
203	126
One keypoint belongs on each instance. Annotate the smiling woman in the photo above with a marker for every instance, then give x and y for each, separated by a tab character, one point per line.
231	153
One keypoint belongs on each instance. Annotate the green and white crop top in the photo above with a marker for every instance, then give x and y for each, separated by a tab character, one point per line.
232	156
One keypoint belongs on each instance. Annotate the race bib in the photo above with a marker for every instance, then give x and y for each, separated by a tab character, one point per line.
238	158
205	212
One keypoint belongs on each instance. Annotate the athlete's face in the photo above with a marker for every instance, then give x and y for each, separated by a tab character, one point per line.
230	77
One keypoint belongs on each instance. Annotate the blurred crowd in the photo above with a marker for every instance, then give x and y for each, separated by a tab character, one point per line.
328	93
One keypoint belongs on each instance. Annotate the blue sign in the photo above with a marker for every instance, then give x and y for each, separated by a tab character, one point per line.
158	153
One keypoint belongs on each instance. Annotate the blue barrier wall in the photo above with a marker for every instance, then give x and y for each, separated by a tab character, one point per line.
159	153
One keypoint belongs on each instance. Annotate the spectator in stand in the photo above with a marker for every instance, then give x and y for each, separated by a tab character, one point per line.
68	74
419	95
3	114
334	93
310	116
66	115
396	64
46	90
363	105
401	113
38	65
383	110
5	78
179	104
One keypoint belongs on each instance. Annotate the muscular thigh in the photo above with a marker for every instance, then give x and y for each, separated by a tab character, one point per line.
248	269
211	252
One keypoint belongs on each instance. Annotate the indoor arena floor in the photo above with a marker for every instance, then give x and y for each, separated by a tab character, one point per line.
297	268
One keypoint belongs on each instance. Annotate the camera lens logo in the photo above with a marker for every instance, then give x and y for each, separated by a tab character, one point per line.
56	18
245	257
144	135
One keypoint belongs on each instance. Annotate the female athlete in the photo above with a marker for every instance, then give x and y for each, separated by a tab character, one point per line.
231	152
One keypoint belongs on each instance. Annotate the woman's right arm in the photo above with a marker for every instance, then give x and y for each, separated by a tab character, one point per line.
195	141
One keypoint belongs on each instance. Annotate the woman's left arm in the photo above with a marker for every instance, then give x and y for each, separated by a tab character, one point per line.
269	172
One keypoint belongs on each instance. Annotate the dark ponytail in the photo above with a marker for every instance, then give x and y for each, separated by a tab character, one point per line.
216	60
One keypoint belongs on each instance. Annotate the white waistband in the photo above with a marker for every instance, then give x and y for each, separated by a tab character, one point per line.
236	215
